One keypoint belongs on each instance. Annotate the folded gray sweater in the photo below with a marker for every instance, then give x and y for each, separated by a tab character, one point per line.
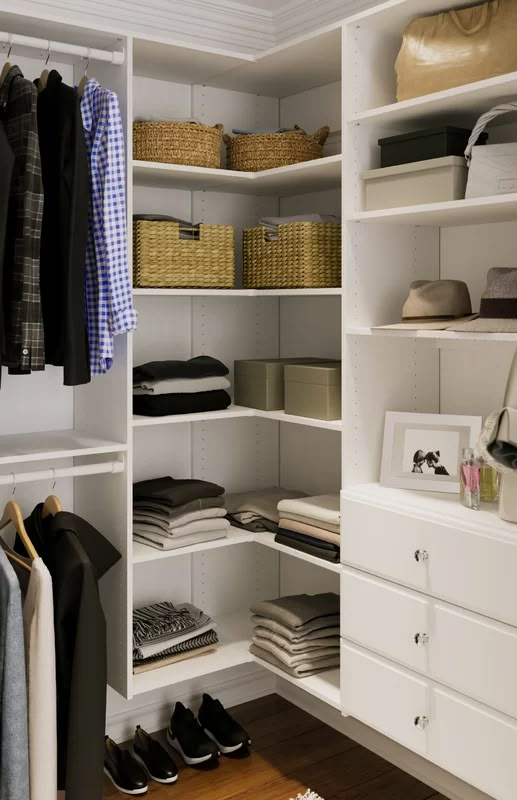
325	626
297	610
306	646
303	670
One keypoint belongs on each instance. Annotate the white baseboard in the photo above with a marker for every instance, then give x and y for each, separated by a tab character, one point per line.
396	754
154	716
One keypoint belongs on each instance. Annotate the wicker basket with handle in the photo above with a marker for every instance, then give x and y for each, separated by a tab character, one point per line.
186	143
258	151
161	259
305	255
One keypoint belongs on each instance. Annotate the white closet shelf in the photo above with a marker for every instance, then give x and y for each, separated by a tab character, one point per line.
142	554
439	507
331	290
237	411
451	105
309	176
16	448
232	651
268	540
448	336
475	211
324	686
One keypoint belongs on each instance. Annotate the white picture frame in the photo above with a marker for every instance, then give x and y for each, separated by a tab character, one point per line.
423	451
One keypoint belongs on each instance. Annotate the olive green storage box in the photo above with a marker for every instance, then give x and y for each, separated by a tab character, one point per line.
259	382
313	390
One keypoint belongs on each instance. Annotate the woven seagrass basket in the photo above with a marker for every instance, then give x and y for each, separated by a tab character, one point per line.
162	259
257	151
305	255
185	143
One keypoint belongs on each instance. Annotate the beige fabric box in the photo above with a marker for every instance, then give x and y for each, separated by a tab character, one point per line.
433	181
313	390
259	382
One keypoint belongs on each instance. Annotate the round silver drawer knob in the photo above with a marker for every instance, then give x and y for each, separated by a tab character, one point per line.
421	556
421	639
421	722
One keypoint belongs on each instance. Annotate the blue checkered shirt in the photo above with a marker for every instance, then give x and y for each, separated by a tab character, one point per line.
109	301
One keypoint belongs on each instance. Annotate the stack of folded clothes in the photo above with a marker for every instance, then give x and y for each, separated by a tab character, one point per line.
298	634
169	514
311	525
257	510
164	633
161	388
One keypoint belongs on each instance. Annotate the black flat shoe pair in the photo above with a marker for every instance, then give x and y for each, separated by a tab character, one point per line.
203	740
129	771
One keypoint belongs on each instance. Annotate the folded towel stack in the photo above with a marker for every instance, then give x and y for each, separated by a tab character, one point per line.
298	634
257	510
169	514
164	633
161	388
311	525
271	223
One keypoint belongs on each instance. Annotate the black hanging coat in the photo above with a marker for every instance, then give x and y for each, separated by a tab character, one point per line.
6	172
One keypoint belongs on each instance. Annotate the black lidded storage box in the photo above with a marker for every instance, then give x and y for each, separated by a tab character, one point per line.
423	145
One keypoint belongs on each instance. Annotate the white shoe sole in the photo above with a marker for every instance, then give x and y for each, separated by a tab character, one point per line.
147	772
224	750
187	759
124	791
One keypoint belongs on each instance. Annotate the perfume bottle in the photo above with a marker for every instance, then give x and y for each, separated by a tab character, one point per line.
489	480
470	478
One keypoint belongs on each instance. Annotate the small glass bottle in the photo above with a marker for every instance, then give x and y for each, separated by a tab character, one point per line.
489	479
470	479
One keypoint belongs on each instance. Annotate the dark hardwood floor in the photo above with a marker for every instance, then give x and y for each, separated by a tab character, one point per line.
292	751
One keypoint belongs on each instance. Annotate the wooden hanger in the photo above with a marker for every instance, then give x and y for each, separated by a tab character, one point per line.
84	80
18	560
12	513
51	506
7	66
43	78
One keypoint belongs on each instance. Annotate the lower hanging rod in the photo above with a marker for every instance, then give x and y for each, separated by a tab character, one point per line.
90	53
105	467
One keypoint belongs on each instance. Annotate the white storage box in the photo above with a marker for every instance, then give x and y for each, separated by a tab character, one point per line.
432	181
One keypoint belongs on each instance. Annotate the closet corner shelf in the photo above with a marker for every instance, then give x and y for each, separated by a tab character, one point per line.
268	540
324	686
309	176
142	554
237	292
475	211
16	448
233	412
233	650
439	336
461	104
438	507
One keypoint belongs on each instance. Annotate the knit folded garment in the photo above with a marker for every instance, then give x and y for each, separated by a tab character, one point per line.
164	405
295	659
198	526
164	508
321	627
324	508
161	542
309	530
160	621
182	386
162	521
318	523
309	545
199	367
175	492
261	502
296	611
304	646
151	663
190	646
302	670
157	648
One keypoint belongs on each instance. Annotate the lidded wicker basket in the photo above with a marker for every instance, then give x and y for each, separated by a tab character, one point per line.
187	143
258	151
162	260
305	255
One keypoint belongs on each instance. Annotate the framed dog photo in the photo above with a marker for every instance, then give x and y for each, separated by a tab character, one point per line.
423	451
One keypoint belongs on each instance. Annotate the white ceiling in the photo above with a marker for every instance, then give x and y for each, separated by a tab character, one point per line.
268	5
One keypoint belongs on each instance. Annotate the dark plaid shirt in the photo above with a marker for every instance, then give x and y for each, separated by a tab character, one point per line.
24	349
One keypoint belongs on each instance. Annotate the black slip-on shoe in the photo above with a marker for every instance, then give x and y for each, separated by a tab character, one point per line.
217	723
187	737
123	771
153	758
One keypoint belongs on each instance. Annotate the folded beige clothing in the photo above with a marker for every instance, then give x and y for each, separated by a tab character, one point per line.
262	502
296	647
309	530
294	659
325	626
198	526
161	542
296	610
182	385
164	662
167	511
323	507
326	526
170	524
309	667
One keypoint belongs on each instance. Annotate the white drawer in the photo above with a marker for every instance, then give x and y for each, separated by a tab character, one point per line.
469	569
467	739
469	653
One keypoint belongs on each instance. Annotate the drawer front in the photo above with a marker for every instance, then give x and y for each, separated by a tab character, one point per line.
465	738
466	652
470	570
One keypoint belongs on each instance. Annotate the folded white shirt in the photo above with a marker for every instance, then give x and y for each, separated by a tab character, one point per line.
323	507
183	385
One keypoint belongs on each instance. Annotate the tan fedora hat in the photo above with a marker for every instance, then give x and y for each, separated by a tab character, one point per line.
434	304
498	309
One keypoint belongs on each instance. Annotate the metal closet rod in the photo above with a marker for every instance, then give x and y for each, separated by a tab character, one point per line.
91	53
15	478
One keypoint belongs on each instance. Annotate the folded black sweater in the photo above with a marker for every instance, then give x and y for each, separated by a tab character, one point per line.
199	367
162	405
